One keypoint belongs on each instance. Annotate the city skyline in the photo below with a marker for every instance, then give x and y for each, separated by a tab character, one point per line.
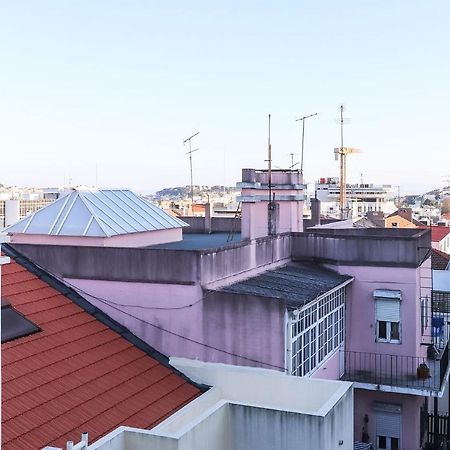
109	91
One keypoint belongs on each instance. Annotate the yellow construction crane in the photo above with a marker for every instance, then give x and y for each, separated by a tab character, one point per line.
341	154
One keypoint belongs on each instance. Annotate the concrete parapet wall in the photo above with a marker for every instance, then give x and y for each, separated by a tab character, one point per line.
114	264
218	224
223	263
377	247
159	265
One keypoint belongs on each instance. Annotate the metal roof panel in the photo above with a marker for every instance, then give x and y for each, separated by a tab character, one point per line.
97	213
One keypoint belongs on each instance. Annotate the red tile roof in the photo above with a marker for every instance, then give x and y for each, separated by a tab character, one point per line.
77	374
437	233
439	260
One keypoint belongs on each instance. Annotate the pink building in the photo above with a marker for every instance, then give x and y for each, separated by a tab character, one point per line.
351	304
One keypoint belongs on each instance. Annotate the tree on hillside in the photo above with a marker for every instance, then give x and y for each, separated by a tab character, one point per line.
445	205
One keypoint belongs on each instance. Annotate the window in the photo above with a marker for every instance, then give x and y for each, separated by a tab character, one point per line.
317	331
14	325
387	315
388	426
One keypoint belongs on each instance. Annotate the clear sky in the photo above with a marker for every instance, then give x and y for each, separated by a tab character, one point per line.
119	84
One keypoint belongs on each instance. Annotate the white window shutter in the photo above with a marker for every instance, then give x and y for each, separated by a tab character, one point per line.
387	310
388	424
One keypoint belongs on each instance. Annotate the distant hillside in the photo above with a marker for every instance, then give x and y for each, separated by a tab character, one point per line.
185	191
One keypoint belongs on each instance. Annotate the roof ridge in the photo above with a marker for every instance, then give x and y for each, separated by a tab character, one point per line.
80	301
94	216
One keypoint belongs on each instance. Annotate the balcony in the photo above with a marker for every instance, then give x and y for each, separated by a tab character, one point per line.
396	373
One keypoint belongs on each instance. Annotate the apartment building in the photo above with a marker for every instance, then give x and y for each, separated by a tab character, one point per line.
361	198
347	304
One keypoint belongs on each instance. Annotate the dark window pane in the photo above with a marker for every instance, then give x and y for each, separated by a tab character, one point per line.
382	442
395	445
395	331
14	325
382	329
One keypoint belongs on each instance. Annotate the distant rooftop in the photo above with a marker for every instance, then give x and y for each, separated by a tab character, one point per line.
437	232
439	260
296	283
97	213
200	241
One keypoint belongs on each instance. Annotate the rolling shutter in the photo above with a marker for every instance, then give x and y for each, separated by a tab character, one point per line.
387	309
389	424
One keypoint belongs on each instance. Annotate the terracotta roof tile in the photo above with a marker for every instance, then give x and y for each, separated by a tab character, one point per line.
439	260
76	374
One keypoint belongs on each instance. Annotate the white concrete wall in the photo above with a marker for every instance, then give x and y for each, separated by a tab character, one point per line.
12	212
242	427
266	388
267	429
249	409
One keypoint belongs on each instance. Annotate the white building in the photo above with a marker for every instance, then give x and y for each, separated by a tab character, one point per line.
361	198
247	409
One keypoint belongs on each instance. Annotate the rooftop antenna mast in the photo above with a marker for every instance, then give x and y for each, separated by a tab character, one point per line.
341	154
189	139
269	162
302	119
271	225
292	160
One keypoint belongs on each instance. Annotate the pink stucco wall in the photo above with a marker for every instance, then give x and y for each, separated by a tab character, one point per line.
329	370
360	309
255	215
410	410
218	327
124	240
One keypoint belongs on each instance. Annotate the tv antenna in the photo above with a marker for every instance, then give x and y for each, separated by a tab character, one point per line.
271	228
269	163
341	154
293	164
302	119
189	139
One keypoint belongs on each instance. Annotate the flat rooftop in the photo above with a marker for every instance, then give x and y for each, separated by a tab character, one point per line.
200	241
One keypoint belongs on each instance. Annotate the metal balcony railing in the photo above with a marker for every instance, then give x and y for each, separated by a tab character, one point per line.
395	370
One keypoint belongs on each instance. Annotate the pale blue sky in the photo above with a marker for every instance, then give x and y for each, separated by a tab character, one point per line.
121	83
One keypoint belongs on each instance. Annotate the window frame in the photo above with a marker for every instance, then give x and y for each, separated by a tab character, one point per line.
316	332
394	296
388	339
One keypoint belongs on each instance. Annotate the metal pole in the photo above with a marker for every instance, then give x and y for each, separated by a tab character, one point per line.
342	167
269	149
303	145
190	163
192	179
303	138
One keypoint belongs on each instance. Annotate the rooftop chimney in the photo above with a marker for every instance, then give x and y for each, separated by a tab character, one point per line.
282	213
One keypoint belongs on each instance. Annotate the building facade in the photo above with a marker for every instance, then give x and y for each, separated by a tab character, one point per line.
345	304
361	198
